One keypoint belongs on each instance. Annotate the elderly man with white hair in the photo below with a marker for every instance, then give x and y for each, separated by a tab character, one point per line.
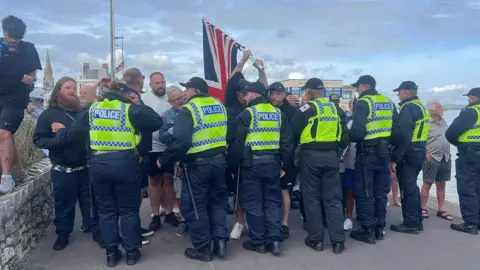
438	164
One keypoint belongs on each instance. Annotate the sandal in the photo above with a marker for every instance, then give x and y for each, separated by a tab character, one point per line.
425	213
444	215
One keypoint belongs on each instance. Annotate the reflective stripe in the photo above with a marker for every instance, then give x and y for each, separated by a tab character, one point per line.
472	135
380	117
264	134
328	128
422	125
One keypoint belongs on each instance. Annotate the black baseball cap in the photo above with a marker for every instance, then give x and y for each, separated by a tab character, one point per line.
242	83
473	92
365	79
197	83
406	85
314	83
277	86
255	87
335	98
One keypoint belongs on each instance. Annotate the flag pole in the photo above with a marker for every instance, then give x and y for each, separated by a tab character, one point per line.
112	42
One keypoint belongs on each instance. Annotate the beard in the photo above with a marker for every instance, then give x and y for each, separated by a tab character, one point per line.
70	103
160	92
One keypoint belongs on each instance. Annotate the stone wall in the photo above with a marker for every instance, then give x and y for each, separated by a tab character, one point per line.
25	216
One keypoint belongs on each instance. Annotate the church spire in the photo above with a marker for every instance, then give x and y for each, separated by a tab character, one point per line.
48	81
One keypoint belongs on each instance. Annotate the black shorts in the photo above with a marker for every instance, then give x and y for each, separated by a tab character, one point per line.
153	169
11	118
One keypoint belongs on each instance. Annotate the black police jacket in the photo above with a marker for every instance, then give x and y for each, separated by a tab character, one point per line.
60	151
142	117
403	131
465	121
300	121
181	140
242	125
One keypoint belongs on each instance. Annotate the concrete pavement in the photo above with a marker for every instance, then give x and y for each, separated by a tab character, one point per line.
437	248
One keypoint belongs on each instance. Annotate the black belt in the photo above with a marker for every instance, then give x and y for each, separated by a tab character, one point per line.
207	158
66	169
265	157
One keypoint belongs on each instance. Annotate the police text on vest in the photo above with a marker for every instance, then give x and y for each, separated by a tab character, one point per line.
383	106
268	116
212	109
106	114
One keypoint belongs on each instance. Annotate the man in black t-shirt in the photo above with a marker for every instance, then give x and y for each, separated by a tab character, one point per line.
19	63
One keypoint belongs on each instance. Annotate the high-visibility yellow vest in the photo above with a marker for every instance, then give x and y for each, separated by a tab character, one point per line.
110	126
209	124
422	125
327	128
264	130
472	135
379	120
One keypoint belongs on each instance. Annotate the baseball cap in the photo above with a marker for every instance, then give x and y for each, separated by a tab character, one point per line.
196	83
365	79
277	86
406	85
335	98
473	92
314	83
255	87
242	83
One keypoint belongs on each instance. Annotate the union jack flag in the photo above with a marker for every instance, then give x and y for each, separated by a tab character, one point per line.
219	58
120	67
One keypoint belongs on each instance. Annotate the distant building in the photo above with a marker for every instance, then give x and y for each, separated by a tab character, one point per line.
346	92
91	76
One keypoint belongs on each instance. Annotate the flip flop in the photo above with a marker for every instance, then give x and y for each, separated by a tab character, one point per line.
425	213
444	215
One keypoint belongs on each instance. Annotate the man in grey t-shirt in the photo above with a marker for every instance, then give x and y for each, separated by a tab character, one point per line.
160	190
438	164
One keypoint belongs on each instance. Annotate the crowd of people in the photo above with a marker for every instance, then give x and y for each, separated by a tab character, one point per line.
265	147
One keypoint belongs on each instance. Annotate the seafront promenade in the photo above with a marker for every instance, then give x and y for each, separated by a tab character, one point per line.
437	248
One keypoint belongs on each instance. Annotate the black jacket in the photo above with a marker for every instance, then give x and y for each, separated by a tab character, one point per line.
300	121
403	131
142	117
465	121
181	140
234	108
61	151
242	125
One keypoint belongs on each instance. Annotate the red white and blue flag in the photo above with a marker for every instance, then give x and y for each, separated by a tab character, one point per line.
219	58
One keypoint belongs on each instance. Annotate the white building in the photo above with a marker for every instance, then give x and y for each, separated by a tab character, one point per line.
91	76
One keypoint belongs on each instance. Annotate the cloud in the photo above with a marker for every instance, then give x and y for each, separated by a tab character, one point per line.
296	75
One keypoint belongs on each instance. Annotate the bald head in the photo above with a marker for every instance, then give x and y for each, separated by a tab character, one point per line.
88	94
436	109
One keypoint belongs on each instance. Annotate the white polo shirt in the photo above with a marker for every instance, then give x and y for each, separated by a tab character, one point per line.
159	105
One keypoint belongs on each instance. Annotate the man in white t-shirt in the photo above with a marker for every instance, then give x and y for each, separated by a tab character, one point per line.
160	190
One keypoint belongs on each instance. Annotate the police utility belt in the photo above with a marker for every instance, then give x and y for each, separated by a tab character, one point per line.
65	169
252	159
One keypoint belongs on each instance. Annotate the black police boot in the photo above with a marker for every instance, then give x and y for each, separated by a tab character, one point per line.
62	241
274	248
466	228
338	248
366	235
113	256
285	232
315	245
220	248
379	232
133	256
204	255
402	228
259	248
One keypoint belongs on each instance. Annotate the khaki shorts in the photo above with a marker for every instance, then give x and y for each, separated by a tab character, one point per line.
434	171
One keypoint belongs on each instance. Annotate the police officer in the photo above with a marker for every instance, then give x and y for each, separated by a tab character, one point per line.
371	130
199	141
321	133
464	133
410	141
262	140
115	171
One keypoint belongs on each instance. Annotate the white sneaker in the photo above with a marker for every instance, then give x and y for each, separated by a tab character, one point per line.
7	184
347	225
236	231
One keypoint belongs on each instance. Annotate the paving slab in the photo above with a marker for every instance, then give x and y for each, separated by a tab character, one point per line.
437	248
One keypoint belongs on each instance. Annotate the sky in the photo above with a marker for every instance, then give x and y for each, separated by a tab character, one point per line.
434	43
